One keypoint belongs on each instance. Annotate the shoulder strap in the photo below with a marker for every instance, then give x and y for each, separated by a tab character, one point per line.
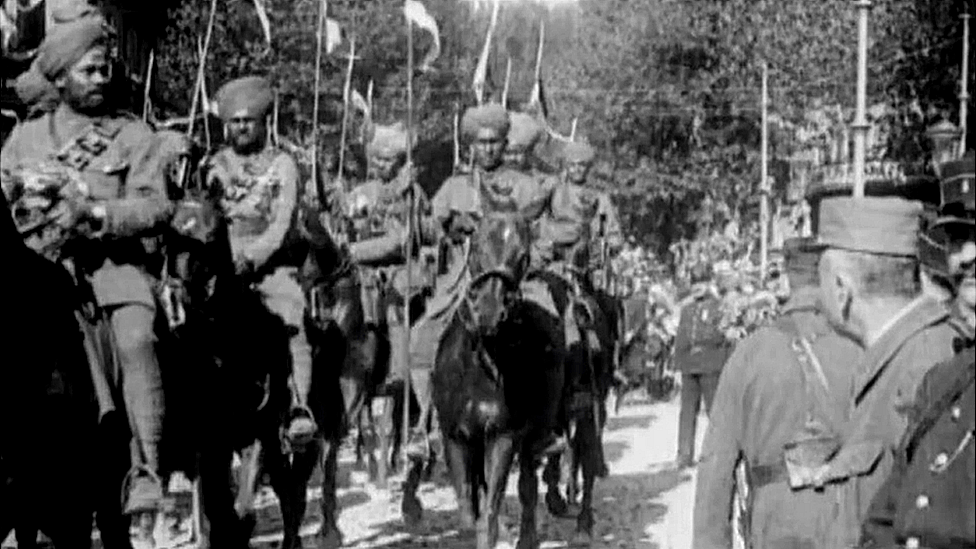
79	152
816	386
931	414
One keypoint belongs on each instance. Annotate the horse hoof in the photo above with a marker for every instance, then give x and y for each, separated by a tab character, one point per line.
581	539
332	539
412	510
556	504
528	541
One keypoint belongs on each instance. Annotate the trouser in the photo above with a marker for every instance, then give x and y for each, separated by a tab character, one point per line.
136	376
283	296
694	388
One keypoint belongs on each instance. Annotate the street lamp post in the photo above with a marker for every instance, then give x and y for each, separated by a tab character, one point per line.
943	138
964	87
860	125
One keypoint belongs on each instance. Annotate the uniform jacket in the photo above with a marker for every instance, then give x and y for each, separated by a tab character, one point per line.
931	494
126	178
259	194
886	384
700	346
378	211
575	216
758	408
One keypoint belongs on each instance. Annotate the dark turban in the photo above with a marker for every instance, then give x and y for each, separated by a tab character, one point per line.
67	43
491	116
250	96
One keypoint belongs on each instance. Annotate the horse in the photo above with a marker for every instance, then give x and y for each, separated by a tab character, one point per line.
590	364
486	399
47	402
227	343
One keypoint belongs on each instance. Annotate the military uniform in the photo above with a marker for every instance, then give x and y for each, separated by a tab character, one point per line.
888	376
700	352
259	193
767	398
379	213
108	171
928	501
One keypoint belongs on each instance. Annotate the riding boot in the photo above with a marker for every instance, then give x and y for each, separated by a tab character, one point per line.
418	445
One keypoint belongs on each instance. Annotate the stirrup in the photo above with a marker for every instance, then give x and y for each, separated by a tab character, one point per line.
129	481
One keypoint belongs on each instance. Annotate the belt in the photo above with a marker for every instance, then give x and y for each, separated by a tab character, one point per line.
764	475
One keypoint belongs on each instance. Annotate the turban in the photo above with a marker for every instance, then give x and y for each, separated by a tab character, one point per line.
67	12
387	141
250	96
524	131
68	42
34	89
491	116
578	152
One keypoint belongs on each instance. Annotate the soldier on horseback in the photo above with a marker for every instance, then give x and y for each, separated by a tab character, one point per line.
87	170
458	208
259	185
378	210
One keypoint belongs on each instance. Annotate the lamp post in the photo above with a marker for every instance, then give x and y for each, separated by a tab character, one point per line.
964	84
943	138
860	125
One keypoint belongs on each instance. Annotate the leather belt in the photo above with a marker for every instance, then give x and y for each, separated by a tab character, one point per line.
764	475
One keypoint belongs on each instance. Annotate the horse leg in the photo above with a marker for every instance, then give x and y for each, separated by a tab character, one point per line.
247	478
217	499
383	409
289	481
411	507
550	476
571	464
590	462
464	479
528	489
499	451
329	535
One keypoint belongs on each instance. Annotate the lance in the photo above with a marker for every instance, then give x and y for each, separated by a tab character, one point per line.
457	136
146	107
409	245
572	131
194	104
508	78
346	90
319	31
204	100
964	84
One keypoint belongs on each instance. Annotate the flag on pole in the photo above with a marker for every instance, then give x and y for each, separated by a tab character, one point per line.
359	102
537	99
417	14
333	35
262	11
481	72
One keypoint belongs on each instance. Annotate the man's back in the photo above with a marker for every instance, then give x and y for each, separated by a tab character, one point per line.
700	346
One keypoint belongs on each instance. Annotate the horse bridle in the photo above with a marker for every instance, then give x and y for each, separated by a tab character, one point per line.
508	279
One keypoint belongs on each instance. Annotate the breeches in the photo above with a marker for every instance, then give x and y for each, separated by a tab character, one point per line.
136	377
283	296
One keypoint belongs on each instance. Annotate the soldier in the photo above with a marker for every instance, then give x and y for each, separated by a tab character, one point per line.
770	392
871	292
700	352
259	187
929	499
459	205
379	210
123	197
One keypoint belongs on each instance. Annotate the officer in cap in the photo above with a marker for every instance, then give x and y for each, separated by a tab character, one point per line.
259	187
770	398
928	501
122	200
458	208
870	292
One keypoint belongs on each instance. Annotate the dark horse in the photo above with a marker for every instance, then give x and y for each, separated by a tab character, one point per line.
47	403
589	371
234	362
491	380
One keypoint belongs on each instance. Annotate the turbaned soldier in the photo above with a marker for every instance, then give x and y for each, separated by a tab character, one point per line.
258	185
85	165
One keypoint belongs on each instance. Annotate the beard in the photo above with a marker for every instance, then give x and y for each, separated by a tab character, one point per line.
90	101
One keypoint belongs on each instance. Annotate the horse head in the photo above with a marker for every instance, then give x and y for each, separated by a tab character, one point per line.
497	261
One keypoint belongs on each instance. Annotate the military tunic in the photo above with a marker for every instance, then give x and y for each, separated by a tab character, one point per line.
379	214
930	499
887	381
259	194
577	213
116	162
757	411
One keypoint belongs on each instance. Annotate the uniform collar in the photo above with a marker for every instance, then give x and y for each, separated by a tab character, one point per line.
918	315
805	299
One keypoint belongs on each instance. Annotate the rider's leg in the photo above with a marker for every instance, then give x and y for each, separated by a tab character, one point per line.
284	297
425	336
142	391
536	291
